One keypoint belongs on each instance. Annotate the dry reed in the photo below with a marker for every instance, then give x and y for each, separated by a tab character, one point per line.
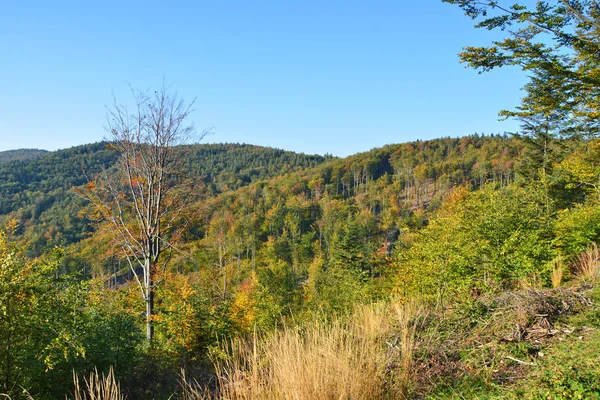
365	356
191	389
587	266
97	387
557	272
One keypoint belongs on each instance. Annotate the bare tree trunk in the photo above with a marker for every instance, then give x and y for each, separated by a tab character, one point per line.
149	314
149	298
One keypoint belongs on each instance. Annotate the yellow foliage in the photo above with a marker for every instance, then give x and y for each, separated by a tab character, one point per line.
176	315
244	305
583	167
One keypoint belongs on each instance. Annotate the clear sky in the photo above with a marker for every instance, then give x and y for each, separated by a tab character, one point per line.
313	76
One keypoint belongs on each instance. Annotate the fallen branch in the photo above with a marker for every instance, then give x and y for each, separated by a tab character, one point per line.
507	378
521	362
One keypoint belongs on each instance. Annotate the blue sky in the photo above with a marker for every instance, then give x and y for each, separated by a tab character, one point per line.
334	77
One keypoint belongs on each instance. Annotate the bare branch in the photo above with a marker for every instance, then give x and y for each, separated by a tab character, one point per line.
141	197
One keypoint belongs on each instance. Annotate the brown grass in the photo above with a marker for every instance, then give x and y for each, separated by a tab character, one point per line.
365	356
587	266
191	389
97	387
557	272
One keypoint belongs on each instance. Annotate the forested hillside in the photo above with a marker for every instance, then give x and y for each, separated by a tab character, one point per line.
20	154
445	221
451	268
392	187
37	191
276	248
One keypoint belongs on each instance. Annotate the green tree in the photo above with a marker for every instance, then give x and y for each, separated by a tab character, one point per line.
39	313
485	240
558	42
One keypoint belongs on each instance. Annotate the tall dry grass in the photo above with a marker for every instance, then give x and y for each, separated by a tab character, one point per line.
365	356
557	272
191	389
97	387
587	266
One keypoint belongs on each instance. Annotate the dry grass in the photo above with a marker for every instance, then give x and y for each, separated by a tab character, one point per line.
531	281
557	272
365	356
97	387
191	389
587	266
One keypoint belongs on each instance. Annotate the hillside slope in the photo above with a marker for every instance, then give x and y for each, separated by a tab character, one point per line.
20	155
453	224
37	191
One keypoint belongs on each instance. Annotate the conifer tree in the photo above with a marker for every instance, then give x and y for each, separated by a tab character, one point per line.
558	43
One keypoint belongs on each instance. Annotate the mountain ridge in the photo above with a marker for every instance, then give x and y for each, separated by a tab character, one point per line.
21	154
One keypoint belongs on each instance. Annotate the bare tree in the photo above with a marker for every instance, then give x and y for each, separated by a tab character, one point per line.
142	198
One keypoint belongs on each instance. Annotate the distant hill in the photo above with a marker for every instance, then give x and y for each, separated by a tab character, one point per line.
37	191
20	155
225	167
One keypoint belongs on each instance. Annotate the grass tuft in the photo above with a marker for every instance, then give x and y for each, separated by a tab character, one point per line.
367	355
557	272
587	266
97	387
